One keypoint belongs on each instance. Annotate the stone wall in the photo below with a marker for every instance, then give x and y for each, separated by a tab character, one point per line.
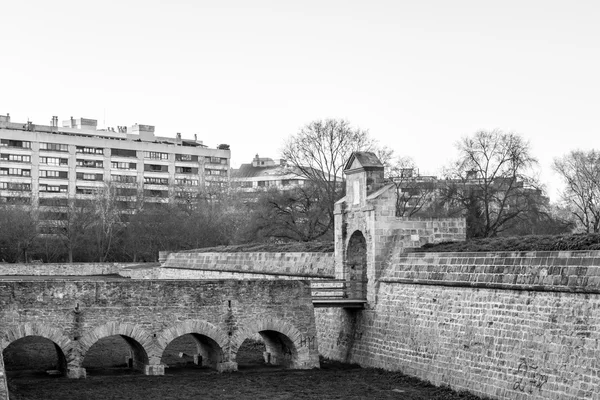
210	274
3	384
246	265
66	269
76	314
503	325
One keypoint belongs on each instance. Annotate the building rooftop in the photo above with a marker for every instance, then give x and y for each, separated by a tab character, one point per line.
86	127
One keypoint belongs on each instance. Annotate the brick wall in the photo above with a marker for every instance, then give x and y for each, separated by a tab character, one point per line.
259	264
503	325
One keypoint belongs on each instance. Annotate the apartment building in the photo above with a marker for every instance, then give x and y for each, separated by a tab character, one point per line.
44	165
265	173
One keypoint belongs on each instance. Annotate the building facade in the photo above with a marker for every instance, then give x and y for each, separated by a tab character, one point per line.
44	165
264	173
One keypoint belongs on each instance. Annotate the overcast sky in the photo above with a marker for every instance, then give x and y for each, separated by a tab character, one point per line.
417	74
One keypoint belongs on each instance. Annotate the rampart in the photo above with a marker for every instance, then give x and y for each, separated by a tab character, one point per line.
296	264
60	269
258	265
504	325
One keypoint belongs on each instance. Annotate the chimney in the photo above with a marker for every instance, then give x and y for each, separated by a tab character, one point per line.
195	137
178	136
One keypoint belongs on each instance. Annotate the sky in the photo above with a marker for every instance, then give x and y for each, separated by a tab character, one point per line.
418	75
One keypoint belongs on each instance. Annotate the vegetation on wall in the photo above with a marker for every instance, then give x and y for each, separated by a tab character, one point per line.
519	243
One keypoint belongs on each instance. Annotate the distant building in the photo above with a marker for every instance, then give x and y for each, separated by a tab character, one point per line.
264	173
43	164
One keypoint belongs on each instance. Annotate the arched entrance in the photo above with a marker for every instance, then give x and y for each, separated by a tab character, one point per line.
192	348
355	271
34	353
115	353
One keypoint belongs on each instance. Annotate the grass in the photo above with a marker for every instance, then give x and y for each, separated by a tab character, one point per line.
254	380
519	243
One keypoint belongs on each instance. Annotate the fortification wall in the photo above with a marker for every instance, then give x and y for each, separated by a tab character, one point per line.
3	384
58	269
504	325
259	265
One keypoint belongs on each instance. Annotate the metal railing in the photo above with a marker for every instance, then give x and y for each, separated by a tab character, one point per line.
338	289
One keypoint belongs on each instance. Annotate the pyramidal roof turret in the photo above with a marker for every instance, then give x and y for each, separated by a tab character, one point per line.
362	161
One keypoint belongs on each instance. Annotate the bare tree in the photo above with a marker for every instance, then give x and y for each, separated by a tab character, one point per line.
580	171
18	230
414	193
69	220
320	150
492	181
107	220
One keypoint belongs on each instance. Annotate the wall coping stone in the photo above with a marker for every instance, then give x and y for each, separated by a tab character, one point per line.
575	271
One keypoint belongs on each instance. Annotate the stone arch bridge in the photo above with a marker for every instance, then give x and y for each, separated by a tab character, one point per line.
220	315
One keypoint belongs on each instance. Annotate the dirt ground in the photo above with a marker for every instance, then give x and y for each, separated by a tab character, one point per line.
183	380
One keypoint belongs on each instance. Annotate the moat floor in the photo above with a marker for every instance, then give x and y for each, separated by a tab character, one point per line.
108	379
333	381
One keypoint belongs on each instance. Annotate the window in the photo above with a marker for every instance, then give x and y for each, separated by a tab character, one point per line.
126	192
89	163
54	161
156	181
54	147
86	190
185	157
220	172
54	174
15	171
89	150
126	205
123	178
186	170
53	216
156	168
89	177
186	195
123	153
17	186
54	202
156	155
123	165
53	188
15	200
262	183
156	193
15	143
15	158
186	182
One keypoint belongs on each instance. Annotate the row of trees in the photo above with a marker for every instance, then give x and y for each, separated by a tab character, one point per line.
99	230
492	183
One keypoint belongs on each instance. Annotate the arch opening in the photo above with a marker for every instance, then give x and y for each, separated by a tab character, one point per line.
355	268
115	354
268	348
34	355
192	350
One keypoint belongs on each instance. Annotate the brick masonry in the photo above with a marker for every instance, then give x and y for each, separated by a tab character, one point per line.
76	314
